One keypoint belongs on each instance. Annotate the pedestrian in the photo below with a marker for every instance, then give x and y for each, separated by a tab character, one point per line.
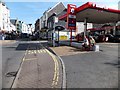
85	44
91	42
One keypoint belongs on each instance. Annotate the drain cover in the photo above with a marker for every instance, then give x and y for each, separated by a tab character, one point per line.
11	74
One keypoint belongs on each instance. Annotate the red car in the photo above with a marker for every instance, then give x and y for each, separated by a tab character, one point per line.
79	37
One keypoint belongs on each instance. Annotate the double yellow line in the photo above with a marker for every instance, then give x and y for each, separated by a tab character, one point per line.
56	70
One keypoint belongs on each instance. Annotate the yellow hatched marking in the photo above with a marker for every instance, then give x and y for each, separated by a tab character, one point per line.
44	51
29	51
35	51
32	52
38	51
30	59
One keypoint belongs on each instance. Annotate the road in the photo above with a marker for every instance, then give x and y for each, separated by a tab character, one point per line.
34	64
93	69
12	54
83	70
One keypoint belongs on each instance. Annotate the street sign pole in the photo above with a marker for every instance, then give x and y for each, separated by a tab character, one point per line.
71	19
55	21
70	37
58	37
85	26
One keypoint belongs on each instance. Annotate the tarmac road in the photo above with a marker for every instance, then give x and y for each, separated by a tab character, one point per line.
11	59
93	69
45	65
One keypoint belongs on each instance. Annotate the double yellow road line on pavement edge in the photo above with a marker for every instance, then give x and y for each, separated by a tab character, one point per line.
56	70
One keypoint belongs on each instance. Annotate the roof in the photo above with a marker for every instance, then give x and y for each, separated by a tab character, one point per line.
13	21
58	8
94	14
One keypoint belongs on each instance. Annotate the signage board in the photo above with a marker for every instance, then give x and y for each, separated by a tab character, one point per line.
56	19
71	17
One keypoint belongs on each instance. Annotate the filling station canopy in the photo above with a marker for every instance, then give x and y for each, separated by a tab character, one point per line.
94	14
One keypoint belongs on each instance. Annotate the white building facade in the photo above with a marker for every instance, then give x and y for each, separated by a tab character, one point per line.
30	29
24	28
5	24
12	27
27	28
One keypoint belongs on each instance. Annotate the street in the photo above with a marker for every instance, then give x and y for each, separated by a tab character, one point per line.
83	69
28	61
59	45
93	69
11	59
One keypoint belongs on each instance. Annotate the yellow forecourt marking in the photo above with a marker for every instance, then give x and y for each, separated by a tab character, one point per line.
56	70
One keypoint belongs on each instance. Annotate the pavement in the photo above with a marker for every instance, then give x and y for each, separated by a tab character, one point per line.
67	50
73	44
90	69
39	69
6	42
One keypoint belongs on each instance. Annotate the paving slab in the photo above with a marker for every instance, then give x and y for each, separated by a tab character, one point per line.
67	50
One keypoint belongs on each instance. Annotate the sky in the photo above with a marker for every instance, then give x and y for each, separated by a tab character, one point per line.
30	11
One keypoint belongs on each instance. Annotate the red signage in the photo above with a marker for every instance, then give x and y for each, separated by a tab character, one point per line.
71	17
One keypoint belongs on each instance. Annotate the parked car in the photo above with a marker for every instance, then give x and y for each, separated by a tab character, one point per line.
79	37
96	37
34	37
99	38
109	37
113	38
116	38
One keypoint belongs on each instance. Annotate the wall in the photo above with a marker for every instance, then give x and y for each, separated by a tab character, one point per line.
80	27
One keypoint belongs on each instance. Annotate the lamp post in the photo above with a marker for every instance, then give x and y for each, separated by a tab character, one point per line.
55	20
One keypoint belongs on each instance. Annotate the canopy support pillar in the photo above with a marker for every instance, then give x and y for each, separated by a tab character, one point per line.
85	26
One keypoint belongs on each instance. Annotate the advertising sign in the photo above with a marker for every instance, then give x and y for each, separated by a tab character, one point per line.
71	17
